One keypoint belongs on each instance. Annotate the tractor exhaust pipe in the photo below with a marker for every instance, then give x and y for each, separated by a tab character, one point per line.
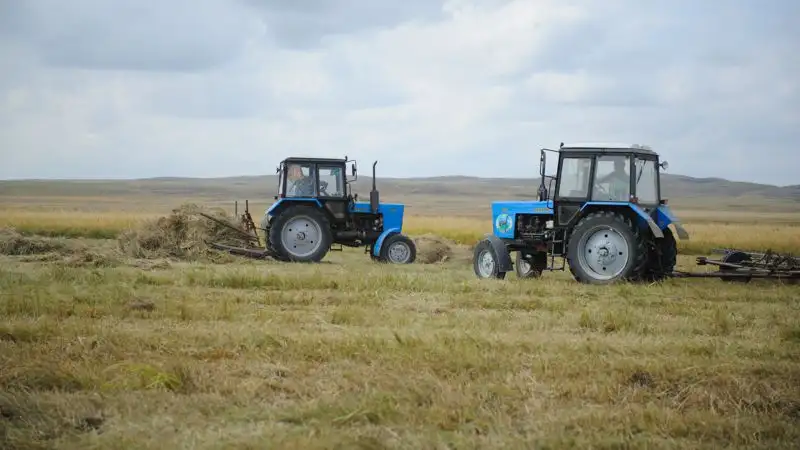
373	195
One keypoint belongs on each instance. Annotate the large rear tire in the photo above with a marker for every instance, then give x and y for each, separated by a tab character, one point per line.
301	234
663	257
485	261
606	247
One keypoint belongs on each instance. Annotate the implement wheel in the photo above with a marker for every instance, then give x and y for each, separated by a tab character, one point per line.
734	258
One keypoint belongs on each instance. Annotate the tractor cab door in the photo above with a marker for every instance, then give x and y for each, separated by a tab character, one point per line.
572	187
612	180
332	191
299	182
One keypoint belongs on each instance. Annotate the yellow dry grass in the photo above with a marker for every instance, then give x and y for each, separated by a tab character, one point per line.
708	229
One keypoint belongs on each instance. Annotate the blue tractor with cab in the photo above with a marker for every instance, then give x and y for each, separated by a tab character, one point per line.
602	215
315	209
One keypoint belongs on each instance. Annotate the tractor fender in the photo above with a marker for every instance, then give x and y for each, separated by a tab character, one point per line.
666	217
290	201
657	232
503	257
376	249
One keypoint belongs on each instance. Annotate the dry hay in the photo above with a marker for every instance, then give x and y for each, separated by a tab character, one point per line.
180	235
14	243
432	249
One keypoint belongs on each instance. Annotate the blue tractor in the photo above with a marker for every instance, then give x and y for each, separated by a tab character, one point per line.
315	210
605	219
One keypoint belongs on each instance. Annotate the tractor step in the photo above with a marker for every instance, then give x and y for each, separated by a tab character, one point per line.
333	248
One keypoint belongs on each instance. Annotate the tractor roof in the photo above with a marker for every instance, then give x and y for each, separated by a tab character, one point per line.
304	159
609	147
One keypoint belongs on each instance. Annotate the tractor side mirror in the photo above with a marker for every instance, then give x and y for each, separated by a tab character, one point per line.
353	169
664	165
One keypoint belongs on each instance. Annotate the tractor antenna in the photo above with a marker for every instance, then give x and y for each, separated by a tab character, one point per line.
373	195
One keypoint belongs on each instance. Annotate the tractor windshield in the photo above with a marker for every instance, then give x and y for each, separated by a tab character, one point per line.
612	181
646	181
331	181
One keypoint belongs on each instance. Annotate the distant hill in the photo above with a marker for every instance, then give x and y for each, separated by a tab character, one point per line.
448	193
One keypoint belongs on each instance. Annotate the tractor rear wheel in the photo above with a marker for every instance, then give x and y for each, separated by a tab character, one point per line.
485	261
663	257
398	249
530	267
605	247
301	234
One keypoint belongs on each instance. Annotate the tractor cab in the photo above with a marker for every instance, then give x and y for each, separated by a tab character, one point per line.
323	178
605	174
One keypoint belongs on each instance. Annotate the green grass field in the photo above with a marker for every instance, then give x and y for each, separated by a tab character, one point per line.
103	350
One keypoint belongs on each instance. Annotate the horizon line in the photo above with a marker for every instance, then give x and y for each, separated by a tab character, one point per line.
222	177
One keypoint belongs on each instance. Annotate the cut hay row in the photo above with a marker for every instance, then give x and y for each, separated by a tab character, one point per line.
184	235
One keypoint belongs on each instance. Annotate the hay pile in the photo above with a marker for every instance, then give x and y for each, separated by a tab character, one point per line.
432	249
180	235
15	244
50	250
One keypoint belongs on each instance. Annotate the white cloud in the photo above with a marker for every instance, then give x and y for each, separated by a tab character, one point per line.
213	87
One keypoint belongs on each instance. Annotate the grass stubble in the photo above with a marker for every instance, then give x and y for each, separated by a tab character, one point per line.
147	342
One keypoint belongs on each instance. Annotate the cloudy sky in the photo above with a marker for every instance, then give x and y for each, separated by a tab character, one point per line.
133	88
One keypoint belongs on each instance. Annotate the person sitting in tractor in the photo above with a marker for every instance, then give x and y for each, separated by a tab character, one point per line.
301	185
618	181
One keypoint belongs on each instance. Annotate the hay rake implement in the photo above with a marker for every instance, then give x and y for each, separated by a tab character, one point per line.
246	232
743	266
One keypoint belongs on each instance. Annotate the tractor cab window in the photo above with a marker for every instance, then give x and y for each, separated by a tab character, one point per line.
646	181
331	181
299	180
612	181
574	179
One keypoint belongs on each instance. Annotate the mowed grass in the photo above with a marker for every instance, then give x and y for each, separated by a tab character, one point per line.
106	352
352	354
708	230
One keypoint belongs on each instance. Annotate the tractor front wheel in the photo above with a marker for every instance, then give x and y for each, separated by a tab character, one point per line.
398	249
605	247
485	261
531	267
301	234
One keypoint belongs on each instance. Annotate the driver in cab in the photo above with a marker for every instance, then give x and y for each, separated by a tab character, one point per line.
618	181
301	185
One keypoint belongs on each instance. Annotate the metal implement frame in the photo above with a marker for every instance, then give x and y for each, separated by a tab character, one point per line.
741	265
248	232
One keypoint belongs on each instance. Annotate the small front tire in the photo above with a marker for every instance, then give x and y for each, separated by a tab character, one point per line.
398	249
485	261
